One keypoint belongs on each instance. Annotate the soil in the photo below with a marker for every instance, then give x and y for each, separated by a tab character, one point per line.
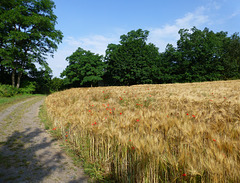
28	153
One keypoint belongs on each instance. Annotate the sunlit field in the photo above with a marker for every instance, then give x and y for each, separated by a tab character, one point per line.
155	133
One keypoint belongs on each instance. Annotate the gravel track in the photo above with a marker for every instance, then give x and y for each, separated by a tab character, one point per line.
28	153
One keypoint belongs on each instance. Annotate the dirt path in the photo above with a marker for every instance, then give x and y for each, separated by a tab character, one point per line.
28	153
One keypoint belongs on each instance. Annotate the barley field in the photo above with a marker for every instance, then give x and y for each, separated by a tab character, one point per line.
155	133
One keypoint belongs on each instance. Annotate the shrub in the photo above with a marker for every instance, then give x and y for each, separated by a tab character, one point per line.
56	85
28	88
7	91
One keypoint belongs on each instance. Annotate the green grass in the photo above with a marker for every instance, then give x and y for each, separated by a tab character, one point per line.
44	118
8	101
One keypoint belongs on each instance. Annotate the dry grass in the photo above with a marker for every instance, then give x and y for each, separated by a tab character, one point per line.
155	133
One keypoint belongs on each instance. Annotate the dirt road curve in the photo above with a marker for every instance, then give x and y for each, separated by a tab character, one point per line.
28	153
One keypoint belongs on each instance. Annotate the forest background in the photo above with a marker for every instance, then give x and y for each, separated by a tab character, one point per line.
28	36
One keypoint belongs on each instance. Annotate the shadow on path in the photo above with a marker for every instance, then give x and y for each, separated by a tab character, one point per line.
30	156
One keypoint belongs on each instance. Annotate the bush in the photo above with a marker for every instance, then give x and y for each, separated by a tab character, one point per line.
7	91
28	88
56	85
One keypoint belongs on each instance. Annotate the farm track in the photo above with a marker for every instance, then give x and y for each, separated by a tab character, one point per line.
28	153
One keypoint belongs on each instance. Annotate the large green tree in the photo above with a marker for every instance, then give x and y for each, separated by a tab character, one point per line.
201	55
168	65
133	61
231	59
27	34
85	69
56	84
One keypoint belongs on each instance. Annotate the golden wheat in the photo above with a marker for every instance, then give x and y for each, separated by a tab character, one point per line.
155	133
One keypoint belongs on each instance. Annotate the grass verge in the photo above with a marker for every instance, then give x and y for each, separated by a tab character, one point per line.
93	170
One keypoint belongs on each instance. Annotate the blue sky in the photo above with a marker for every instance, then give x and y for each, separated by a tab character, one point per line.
93	24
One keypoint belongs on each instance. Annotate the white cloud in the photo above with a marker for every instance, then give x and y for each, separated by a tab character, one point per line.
169	33
195	18
215	4
96	44
59	63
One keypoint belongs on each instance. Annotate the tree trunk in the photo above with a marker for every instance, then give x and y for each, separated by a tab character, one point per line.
13	77
19	79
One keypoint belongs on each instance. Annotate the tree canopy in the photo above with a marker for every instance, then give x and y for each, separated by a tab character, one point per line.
132	61
27	35
85	69
200	55
205	56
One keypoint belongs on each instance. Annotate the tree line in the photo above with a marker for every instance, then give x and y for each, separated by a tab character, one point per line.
200	55
28	35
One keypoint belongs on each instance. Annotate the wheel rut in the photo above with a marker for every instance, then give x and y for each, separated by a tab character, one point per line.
28	153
